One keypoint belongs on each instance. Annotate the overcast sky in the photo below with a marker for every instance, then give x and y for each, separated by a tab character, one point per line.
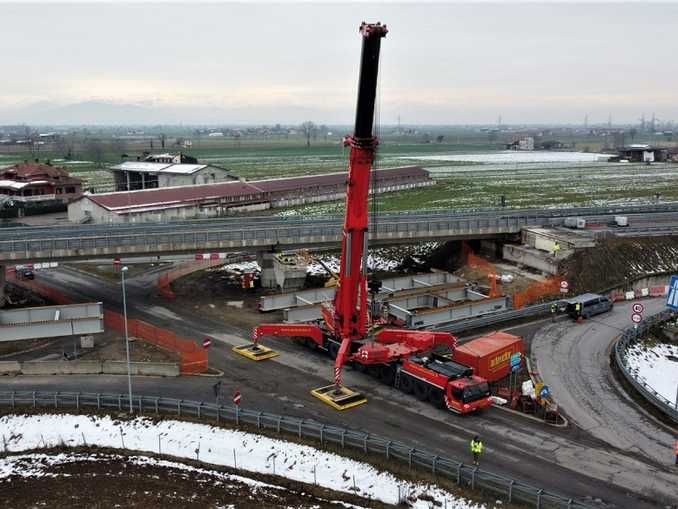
442	63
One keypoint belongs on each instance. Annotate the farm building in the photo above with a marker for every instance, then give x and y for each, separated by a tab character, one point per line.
643	153
220	199
139	175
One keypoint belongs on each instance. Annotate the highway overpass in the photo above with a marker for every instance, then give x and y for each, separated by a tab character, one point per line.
26	244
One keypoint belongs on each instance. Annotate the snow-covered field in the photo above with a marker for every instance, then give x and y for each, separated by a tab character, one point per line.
656	365
218	446
512	156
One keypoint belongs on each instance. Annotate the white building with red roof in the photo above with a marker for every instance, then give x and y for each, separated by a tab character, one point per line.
224	198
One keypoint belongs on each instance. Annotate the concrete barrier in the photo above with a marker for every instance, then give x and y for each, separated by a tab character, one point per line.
61	367
84	367
141	368
10	367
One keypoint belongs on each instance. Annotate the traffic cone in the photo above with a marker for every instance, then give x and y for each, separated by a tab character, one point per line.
579	319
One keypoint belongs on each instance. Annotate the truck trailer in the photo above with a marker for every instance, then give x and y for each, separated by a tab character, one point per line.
489	355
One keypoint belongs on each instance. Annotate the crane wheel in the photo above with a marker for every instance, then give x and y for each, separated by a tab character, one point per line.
421	391
437	398
407	384
332	349
387	374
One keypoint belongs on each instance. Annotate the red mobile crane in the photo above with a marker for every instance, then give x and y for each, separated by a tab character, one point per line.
395	355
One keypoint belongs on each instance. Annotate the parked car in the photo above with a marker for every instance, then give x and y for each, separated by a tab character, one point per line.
26	274
592	304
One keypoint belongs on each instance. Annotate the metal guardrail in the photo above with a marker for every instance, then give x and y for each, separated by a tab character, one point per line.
495	318
455	471
627	339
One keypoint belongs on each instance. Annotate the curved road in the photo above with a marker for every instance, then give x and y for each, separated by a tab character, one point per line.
574	361
564	461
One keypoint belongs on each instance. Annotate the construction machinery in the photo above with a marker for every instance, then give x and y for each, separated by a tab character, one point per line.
346	331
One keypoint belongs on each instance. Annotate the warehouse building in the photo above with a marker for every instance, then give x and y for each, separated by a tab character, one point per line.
224	198
140	175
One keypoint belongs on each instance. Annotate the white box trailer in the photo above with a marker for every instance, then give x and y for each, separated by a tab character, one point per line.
575	222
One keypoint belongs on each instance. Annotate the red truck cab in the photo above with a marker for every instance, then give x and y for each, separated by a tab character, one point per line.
445	383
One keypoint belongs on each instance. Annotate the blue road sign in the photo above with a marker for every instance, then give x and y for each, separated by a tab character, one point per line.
672	298
544	392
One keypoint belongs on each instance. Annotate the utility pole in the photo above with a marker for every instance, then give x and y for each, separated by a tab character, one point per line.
124	312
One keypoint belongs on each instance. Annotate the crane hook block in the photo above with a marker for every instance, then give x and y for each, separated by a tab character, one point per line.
255	352
339	398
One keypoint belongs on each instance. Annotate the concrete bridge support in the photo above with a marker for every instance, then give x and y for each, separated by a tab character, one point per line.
265	261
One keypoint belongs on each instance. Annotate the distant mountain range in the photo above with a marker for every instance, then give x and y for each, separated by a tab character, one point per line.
110	113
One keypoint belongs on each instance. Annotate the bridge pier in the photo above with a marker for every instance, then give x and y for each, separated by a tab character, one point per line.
280	274
265	261
2	286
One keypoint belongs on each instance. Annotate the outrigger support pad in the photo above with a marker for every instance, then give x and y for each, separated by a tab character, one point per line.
255	351
339	397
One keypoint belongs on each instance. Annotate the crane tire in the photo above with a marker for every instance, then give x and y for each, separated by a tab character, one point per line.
437	397
407	384
387	374
332	349
421	390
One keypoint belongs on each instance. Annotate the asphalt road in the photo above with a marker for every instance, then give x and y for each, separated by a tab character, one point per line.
574	361
566	461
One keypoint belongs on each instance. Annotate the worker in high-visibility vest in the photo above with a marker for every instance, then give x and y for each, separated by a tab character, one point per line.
577	310
476	449
556	249
554	308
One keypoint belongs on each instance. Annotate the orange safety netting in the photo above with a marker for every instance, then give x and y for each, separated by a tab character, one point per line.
192	358
477	263
536	291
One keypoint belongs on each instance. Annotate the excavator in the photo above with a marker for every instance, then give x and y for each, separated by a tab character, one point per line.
346	331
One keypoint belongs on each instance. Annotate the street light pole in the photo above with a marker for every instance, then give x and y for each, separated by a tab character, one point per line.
124	312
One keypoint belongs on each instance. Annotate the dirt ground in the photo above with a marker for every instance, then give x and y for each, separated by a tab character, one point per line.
113	481
110	346
215	294
617	261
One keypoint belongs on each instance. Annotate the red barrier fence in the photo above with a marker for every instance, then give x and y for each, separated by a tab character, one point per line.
192	358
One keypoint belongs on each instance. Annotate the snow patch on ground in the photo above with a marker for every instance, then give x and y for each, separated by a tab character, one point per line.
218	446
657	366
511	156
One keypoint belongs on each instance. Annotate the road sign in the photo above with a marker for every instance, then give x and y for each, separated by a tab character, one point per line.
544	392
636	318
237	397
206	342
638	308
672	299
515	361
564	287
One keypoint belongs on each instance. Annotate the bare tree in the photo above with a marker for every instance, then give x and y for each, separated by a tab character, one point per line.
309	129
94	149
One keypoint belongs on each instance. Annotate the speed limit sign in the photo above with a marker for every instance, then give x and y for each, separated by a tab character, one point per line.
636	318
638	308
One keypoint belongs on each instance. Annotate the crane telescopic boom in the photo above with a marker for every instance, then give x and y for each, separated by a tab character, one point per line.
348	316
